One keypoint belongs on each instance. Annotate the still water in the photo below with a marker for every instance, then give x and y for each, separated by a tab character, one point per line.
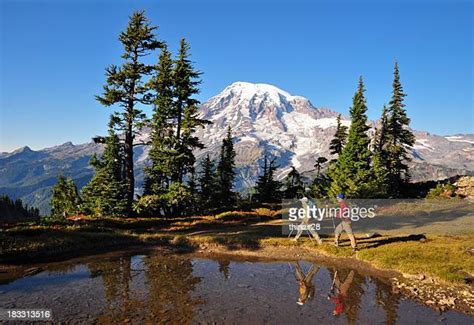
151	288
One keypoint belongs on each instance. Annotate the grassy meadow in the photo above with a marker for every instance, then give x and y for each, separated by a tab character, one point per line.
442	249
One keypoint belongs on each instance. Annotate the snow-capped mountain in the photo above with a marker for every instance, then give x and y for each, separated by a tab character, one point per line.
267	119
263	118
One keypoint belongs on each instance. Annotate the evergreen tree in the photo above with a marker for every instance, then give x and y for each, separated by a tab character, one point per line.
319	163
339	140
294	186
126	87
207	184
162	138
378	186
225	173
177	199
267	189
185	111
352	171
321	182
380	138
380	182
173	139
106	192
15	211
399	137
320	186
193	192
65	200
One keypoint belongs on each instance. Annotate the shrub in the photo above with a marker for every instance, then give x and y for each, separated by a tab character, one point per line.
441	191
148	205
264	212
236	215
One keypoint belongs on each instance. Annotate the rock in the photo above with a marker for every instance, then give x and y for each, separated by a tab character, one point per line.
449	301
33	270
373	235
414	276
429	280
465	187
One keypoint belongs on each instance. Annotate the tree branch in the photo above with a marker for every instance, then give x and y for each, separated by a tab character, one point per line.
142	143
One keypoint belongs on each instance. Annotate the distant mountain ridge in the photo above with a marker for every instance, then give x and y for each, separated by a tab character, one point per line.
263	118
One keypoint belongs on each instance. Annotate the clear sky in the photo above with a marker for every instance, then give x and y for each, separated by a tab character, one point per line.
53	55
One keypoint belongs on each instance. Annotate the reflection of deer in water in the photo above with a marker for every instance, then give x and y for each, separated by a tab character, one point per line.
306	282
339	292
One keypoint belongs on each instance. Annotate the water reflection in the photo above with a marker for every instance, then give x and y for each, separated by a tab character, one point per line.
305	280
346	291
162	287
224	268
339	292
155	288
389	301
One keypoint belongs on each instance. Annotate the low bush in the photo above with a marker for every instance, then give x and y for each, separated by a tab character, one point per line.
442	191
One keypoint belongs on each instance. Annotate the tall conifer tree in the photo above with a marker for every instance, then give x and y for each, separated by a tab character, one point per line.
352	171
399	137
294	185
267	189
225	171
126	87
207	184
185	112
162	135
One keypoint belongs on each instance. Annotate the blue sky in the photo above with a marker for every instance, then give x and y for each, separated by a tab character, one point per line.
53	55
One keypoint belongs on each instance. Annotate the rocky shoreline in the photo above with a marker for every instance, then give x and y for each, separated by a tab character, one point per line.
437	296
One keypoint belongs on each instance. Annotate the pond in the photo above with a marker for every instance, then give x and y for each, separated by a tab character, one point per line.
154	288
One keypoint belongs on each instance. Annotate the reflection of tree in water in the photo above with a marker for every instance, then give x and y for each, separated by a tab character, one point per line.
169	283
351	300
224	268
116	277
355	298
61	268
389	301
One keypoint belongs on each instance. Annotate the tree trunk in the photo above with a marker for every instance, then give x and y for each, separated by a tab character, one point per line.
129	173
178	138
